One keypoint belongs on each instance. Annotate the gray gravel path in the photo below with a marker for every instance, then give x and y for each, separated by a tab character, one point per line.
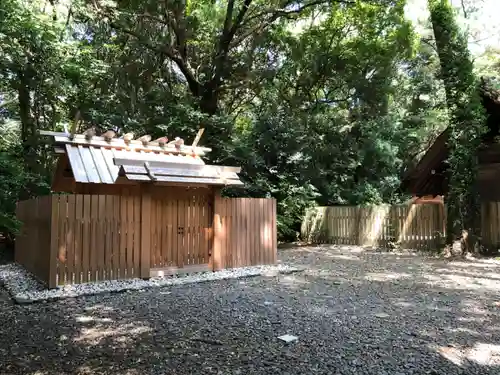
355	312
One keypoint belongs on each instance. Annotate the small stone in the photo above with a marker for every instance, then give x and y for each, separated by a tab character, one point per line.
288	338
22	299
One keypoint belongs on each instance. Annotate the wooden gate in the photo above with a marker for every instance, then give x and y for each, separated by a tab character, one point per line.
181	230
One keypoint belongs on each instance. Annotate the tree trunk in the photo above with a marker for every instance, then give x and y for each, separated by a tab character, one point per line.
466	127
28	130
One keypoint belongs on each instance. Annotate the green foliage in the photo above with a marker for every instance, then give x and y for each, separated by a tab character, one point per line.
319	101
14	179
467	122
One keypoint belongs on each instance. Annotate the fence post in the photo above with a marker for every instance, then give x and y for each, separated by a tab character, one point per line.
145	258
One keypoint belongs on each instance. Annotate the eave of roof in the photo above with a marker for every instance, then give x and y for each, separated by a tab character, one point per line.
102	162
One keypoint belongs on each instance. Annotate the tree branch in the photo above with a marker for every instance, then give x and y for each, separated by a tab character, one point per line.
226	38
194	85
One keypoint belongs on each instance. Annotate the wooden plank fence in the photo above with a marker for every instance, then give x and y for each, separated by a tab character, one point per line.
70	239
245	232
419	226
416	226
34	236
490	220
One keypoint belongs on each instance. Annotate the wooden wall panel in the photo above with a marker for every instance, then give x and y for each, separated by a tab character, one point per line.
244	232
33	242
68	239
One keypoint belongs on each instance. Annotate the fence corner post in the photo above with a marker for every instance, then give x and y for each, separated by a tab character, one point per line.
145	260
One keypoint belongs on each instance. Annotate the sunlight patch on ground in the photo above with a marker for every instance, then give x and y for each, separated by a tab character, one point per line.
481	353
87	319
386	276
477	263
471	271
452	354
99	308
84	370
121	334
404	304
451	281
476	308
293	281
324	311
346	257
484	354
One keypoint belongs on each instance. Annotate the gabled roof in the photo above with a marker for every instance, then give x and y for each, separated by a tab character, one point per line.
95	160
429	176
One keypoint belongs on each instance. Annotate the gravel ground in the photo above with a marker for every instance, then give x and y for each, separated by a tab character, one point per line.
25	288
353	311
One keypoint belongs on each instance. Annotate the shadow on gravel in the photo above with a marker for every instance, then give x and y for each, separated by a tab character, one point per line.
353	312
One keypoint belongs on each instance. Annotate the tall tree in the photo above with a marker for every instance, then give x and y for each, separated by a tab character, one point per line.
215	47
467	124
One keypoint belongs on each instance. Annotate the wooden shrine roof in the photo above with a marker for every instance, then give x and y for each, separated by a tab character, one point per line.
98	160
429	176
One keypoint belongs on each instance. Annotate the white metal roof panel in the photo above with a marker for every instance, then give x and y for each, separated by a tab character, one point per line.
92	164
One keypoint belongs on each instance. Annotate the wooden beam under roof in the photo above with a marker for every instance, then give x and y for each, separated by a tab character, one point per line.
136	145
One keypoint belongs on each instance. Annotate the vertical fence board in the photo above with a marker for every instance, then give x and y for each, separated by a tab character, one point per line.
175	236
193	251
271	228
224	234
101	243
188	232
199	229
260	223
54	211
162	221
216	250
145	233
78	238
136	233
248	231
236	253
70	238
256	219
189	249
251	231
94	226
129	222
154	234
87	236
124	270
108	255
116	238
184	238
166	233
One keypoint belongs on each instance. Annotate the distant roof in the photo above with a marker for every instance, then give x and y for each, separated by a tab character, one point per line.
99	161
429	176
